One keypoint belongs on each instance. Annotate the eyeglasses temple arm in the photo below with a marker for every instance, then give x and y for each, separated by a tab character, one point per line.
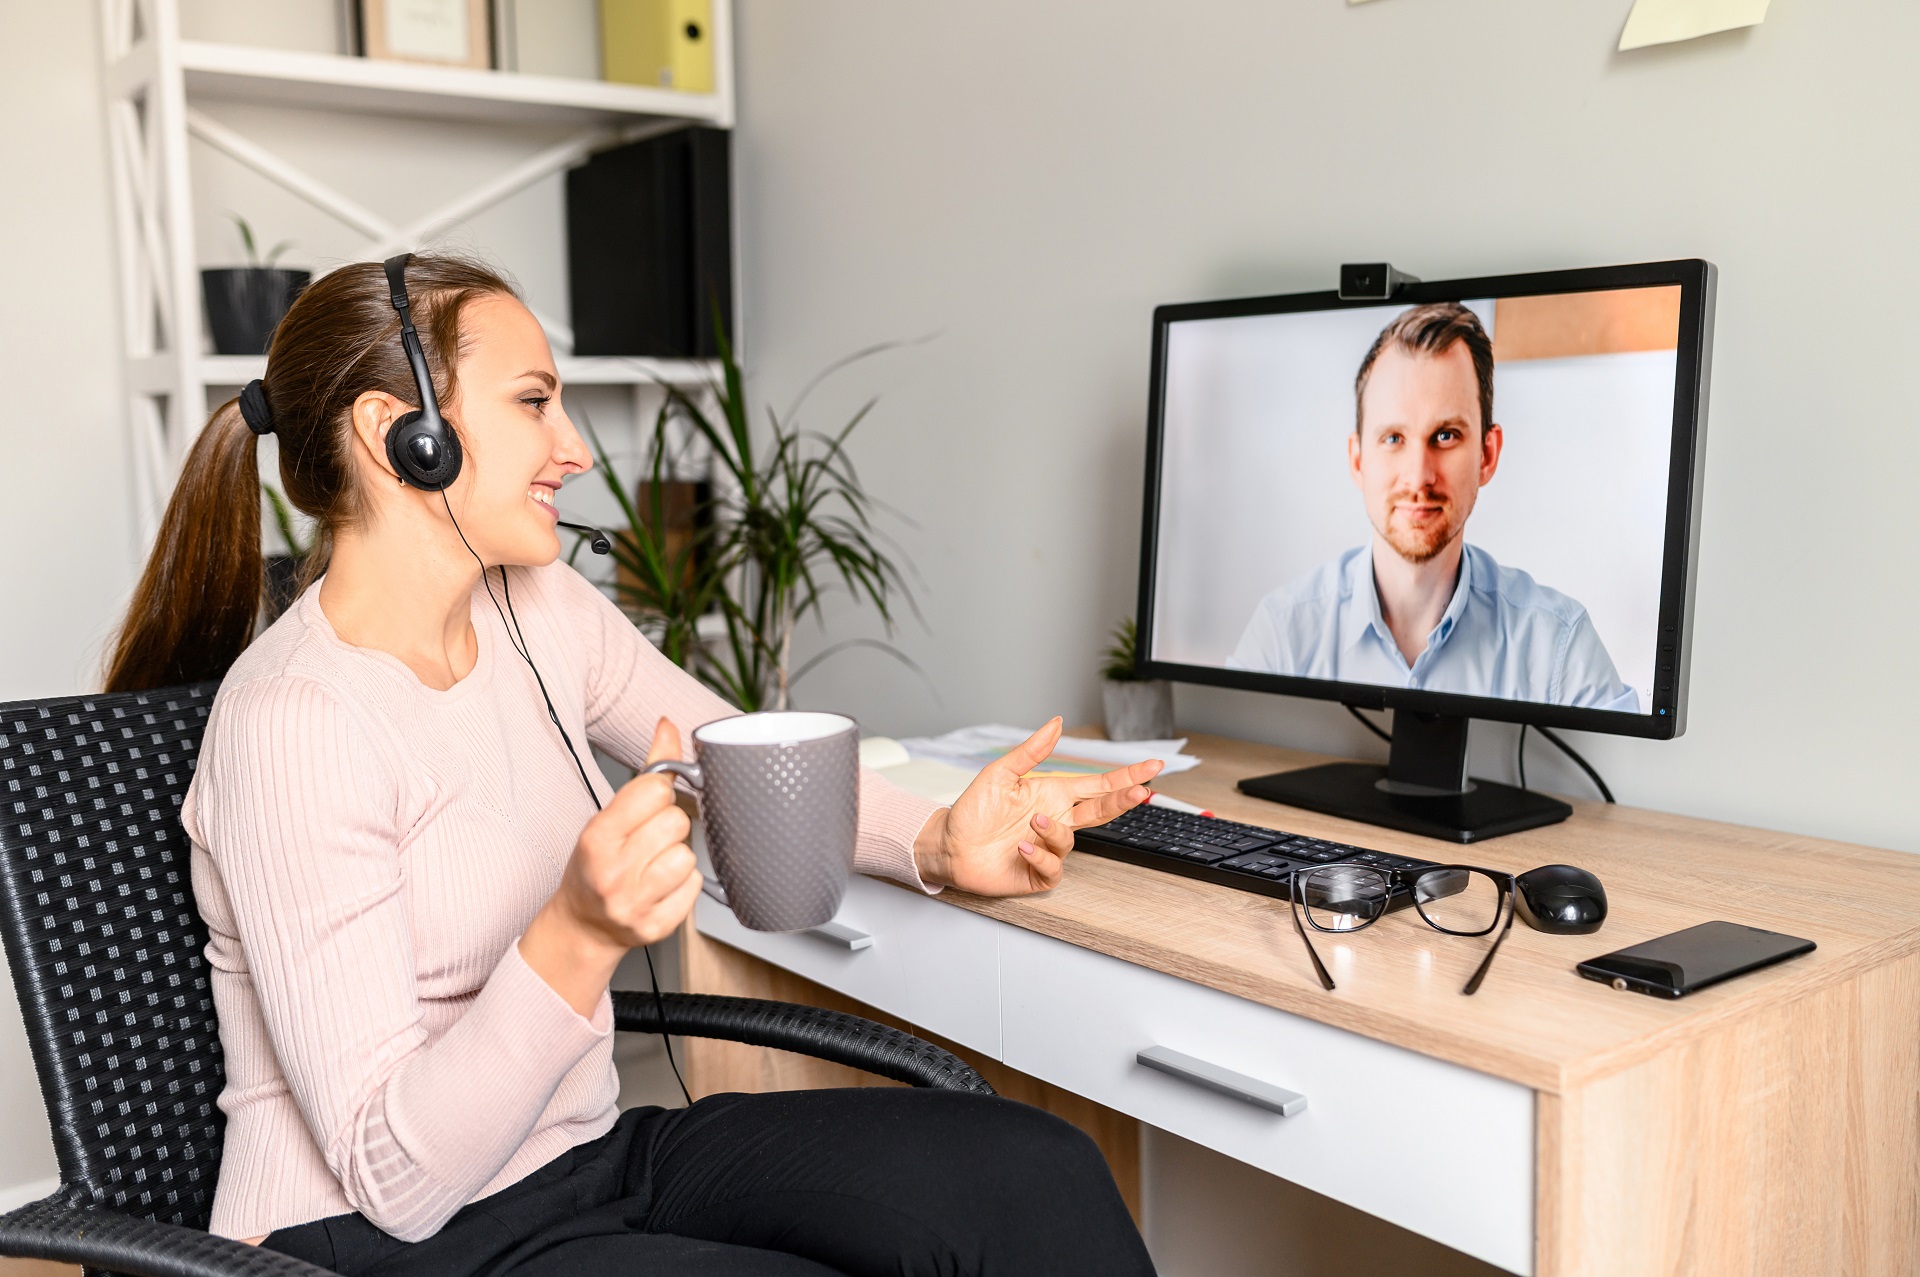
1473	985
1293	905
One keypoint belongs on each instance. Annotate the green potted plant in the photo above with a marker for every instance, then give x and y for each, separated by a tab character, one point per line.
1137	708
246	303
720	574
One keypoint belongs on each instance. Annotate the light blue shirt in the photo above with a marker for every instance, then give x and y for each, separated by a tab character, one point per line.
1503	635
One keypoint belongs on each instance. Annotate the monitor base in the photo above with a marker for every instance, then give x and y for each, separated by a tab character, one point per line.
1360	791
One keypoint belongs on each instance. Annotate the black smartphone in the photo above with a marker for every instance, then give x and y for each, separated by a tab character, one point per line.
1675	965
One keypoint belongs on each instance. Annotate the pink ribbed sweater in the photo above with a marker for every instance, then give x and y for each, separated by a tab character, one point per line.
366	853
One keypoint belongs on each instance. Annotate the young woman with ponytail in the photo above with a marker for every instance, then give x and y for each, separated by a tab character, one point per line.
415	910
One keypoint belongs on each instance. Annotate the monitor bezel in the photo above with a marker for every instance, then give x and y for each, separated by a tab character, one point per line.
1696	279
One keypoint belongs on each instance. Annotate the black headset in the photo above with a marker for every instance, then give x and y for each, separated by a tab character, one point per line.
424	452
421	447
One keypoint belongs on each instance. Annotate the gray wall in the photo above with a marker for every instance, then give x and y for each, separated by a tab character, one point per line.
1028	180
65	551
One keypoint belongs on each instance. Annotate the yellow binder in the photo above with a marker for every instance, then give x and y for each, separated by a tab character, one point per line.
665	44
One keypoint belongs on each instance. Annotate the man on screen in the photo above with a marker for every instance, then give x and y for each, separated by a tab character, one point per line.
1418	606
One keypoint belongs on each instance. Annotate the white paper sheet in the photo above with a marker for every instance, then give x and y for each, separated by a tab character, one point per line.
975	747
936	782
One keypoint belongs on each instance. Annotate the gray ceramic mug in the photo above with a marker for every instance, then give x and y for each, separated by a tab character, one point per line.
780	801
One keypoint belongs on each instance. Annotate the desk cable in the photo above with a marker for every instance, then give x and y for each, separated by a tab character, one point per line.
1520	758
1520	750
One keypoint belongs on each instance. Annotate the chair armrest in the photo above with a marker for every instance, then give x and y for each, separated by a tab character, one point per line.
104	1239
822	1034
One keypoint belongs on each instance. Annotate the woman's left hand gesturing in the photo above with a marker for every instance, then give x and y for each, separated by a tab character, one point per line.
1009	833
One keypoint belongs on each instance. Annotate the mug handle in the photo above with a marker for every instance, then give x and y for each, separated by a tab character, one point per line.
689	772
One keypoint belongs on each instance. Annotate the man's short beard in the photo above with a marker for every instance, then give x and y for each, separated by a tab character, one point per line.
1419	547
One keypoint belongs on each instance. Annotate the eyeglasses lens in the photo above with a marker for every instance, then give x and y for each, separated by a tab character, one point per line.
1343	897
1461	901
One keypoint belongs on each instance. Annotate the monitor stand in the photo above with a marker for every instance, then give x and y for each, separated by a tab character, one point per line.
1423	789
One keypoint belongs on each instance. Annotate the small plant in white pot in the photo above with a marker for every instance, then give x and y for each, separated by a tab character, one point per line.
1137	708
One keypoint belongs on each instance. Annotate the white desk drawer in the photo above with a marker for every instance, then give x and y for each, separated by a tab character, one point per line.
1431	1146
929	963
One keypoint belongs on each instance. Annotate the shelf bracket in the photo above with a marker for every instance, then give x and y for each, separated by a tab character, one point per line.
301	183
516	179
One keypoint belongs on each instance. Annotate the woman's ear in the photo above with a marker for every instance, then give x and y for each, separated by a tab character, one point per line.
374	413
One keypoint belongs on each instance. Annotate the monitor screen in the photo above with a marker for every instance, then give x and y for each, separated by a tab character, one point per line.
1458	494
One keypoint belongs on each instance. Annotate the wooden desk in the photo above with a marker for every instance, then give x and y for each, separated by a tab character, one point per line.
1770	1125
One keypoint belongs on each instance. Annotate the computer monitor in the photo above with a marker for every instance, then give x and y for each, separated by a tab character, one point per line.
1479	499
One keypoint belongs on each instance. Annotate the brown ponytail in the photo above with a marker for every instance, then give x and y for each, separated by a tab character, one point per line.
194	607
194	610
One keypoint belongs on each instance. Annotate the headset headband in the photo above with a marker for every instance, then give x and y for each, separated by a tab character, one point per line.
409	337
423	450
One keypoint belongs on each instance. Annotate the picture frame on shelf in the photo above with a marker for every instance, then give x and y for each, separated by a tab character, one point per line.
455	33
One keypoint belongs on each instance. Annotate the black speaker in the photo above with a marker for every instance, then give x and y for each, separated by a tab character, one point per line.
650	247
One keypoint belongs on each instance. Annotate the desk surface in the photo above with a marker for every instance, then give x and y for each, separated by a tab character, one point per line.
1535	1021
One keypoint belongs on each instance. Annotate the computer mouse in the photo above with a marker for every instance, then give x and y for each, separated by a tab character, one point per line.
1560	900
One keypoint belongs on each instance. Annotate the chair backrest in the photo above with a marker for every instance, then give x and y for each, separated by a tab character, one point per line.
106	945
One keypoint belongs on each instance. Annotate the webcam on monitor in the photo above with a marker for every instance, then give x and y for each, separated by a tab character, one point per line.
1372	281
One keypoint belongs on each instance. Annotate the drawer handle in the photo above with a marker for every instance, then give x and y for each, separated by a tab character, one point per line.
1248	1090
839	933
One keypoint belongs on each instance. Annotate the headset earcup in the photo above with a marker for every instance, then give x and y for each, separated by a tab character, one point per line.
424	457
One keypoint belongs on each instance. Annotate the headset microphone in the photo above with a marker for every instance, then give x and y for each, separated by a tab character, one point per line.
597	540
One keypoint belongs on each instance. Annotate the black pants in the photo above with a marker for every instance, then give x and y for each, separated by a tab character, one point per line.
857	1182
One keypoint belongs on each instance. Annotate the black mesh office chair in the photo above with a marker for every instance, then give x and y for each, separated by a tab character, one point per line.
107	954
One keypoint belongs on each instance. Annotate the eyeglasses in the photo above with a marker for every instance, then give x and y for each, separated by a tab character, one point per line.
1457	899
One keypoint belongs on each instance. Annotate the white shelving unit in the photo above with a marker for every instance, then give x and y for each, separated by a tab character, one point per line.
331	82
153	79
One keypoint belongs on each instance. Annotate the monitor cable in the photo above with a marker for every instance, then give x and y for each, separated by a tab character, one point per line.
1367	723
518	642
1520	752
1520	757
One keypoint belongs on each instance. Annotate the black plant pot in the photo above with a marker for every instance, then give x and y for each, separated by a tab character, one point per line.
246	303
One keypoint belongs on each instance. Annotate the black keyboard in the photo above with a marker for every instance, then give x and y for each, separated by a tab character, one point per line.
1248	857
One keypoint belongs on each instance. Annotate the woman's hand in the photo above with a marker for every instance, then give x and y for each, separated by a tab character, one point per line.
630	881
1009	833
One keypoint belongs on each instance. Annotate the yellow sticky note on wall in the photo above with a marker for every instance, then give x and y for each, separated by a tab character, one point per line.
665	44
1665	21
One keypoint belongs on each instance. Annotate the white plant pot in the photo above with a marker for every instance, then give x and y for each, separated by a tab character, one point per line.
1139	709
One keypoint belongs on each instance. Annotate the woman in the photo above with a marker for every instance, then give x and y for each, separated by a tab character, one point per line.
415	908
